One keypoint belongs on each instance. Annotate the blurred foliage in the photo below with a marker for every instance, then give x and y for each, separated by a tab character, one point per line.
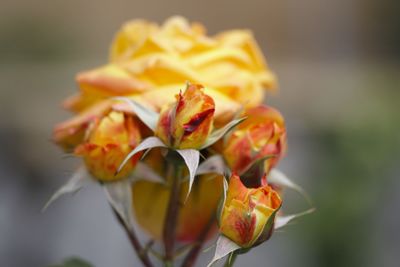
73	262
352	171
381	28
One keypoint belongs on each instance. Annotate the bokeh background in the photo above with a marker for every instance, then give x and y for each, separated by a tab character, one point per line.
338	68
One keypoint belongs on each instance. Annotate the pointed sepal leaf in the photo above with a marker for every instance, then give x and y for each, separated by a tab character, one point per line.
191	158
144	172
119	195
147	143
226	185
78	180
218	134
279	178
222	201
224	247
281	221
147	116
231	259
214	164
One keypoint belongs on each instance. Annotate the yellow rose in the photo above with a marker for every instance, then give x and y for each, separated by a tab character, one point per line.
146	57
151	64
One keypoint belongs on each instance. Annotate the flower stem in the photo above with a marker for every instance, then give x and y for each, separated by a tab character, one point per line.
140	252
172	217
230	261
191	257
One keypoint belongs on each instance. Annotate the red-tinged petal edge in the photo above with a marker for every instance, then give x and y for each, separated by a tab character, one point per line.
196	121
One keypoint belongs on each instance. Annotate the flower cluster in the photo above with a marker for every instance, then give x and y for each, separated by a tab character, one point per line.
177	94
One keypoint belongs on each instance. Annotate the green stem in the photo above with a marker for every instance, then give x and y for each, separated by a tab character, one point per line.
230	261
171	217
191	257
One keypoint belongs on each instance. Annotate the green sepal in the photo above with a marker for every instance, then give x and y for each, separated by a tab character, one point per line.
147	116
218	134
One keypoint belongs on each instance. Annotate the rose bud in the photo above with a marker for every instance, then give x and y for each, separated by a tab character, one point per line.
109	141
71	132
262	134
248	214
188	122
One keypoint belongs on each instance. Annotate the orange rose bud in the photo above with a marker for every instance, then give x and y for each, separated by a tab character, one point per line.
261	134
109	142
248	213
188	122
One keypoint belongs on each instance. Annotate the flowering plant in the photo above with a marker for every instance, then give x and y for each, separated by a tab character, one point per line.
174	129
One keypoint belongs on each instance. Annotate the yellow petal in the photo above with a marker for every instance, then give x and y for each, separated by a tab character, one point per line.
131	38
104	82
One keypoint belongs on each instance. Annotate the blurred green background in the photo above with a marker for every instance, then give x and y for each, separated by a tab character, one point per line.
338	68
